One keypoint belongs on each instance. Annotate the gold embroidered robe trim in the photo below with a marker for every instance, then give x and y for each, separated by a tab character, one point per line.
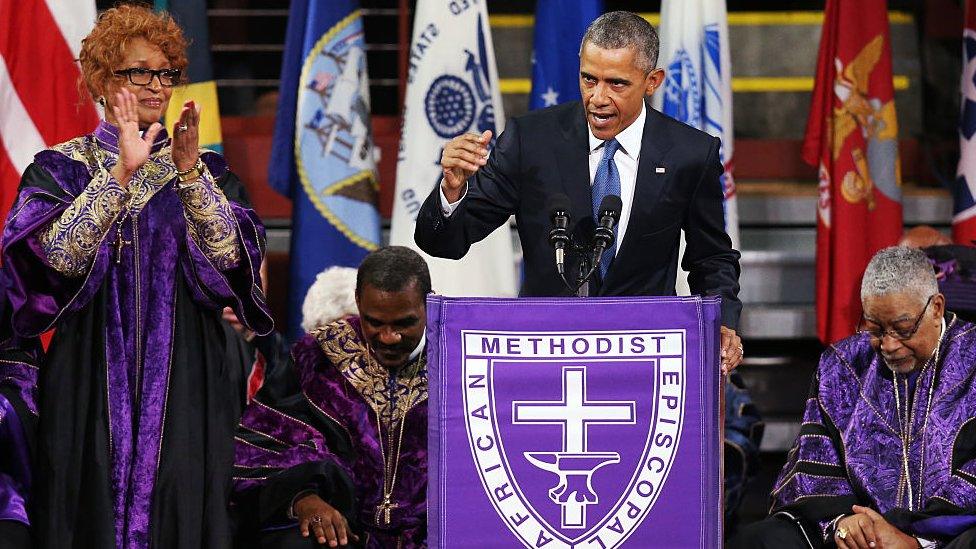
210	221
345	349
71	240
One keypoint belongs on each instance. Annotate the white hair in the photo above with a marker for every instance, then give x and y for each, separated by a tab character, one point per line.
331	297
899	269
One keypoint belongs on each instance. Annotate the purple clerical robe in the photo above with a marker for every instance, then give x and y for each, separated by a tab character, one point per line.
137	402
335	422
18	421
856	445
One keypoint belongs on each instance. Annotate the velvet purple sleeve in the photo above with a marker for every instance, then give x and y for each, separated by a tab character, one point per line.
236	284
15	472
279	428
813	481
210	222
271	441
20	376
38	293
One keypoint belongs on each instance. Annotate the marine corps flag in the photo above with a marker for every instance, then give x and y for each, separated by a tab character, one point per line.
852	137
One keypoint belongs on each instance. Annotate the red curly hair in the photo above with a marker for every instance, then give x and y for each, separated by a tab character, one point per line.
104	48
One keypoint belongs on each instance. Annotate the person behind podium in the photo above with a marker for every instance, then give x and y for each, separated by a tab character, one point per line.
886	455
667	175
333	449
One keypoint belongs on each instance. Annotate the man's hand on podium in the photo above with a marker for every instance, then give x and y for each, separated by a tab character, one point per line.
731	350
463	156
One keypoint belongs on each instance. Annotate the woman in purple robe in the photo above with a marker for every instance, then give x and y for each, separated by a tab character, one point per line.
129	243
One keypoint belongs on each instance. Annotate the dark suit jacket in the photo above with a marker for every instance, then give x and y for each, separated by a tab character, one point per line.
546	152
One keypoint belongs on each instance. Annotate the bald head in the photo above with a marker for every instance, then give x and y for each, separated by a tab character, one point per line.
923	236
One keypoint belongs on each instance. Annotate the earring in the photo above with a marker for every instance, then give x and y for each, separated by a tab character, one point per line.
101	100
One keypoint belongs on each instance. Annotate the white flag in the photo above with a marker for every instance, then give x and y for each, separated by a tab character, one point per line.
698	88
452	88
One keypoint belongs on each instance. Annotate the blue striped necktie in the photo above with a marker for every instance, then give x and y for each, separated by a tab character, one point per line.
605	183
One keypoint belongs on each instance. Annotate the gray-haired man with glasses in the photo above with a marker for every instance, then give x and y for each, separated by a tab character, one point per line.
886	455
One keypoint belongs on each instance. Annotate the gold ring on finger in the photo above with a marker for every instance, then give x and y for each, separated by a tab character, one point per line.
842	533
318	520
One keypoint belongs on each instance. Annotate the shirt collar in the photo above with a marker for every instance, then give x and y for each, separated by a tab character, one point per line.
629	139
419	349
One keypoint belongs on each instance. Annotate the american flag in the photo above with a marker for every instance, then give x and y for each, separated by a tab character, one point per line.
40	104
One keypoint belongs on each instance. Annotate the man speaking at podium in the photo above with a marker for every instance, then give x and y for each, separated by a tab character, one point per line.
563	162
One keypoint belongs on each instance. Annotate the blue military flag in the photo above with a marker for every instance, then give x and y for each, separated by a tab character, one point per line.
322	157
559	28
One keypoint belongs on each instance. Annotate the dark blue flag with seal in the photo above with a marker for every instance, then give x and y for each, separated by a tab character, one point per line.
559	28
322	157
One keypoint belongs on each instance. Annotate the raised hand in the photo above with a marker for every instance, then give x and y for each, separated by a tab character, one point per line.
133	148
463	156
318	518
186	137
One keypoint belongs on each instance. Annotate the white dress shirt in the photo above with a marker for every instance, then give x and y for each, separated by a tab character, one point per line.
626	158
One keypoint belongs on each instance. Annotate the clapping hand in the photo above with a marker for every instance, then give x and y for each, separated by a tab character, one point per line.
186	137
133	148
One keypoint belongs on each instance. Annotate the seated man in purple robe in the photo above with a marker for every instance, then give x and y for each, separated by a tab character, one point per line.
886	455
333	449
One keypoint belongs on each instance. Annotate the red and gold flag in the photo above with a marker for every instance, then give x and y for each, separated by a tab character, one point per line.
852	137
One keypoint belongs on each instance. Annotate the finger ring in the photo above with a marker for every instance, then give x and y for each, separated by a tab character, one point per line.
182	128
842	533
318	520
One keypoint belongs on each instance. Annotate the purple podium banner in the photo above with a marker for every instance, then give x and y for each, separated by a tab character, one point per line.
574	423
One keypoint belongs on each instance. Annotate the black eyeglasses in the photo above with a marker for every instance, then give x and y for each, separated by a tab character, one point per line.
142	77
900	335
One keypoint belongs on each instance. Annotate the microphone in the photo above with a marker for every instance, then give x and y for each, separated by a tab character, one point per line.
559	236
603	236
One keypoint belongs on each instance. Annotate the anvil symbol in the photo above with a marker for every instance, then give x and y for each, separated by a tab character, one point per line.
574	464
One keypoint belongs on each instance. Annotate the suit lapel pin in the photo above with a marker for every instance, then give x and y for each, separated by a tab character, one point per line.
659	169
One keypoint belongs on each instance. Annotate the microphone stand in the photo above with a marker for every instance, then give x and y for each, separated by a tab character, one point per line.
582	288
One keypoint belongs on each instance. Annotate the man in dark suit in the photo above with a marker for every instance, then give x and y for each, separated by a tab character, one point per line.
611	142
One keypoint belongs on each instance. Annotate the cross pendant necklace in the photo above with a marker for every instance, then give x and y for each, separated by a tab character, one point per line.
391	455
385	509
120	241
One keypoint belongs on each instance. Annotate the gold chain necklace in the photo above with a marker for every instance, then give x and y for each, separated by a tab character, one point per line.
391	466
391	462
909	418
